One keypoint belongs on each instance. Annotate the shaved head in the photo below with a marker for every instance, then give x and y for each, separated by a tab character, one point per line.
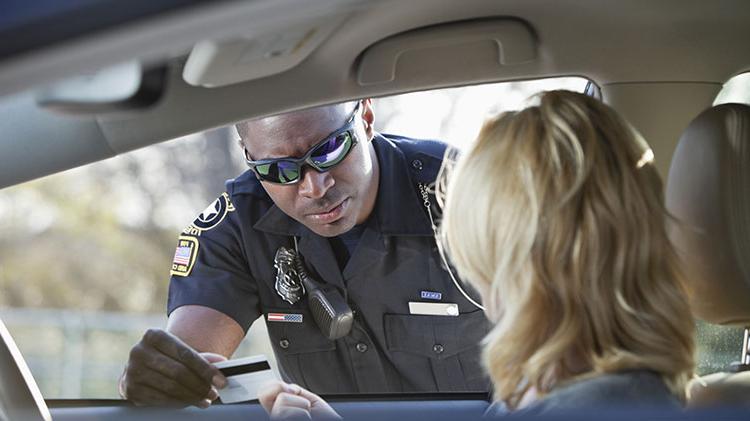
329	203
320	119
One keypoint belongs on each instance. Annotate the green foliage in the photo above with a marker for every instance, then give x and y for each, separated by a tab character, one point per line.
102	237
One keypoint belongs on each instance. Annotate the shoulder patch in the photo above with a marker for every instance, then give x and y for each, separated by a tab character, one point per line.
184	256
211	216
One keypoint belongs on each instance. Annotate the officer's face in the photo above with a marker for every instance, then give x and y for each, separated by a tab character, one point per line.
328	203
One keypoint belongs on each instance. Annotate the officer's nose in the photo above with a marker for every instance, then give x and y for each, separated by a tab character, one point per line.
314	185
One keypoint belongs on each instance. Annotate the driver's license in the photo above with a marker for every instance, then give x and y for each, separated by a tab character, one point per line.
245	377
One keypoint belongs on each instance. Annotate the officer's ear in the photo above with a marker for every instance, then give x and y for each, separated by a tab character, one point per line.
368	117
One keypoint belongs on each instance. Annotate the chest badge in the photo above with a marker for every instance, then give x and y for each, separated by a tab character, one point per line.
288	285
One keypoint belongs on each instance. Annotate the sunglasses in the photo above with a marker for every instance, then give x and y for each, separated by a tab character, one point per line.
325	155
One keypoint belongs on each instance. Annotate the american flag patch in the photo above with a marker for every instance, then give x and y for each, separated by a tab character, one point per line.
182	256
284	317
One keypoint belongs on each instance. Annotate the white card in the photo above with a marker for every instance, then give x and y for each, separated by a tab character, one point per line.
245	377
433	309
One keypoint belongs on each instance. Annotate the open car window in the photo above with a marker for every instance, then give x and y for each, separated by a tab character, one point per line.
86	254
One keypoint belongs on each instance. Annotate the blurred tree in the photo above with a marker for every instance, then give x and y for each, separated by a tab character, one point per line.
101	237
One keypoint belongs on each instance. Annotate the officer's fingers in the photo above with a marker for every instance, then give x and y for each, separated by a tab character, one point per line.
173	389
139	380
268	394
289	405
212	357
172	346
180	373
145	361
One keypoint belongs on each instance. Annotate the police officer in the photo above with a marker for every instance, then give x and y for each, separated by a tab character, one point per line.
349	201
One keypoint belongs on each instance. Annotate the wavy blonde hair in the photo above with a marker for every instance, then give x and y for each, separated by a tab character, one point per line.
556	215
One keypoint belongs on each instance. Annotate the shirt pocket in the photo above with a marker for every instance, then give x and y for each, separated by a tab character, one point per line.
305	356
449	345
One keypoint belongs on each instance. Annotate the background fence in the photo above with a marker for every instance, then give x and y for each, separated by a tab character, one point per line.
74	354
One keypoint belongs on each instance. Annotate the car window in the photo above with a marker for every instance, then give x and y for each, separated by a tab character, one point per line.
718	347
85	255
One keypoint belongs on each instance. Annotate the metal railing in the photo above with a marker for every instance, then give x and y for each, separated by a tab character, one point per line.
81	354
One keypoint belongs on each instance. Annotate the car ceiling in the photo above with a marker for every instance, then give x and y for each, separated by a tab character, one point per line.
659	63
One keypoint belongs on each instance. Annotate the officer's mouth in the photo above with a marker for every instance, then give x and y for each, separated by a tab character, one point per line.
332	215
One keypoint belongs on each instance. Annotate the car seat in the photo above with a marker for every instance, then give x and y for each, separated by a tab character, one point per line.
708	192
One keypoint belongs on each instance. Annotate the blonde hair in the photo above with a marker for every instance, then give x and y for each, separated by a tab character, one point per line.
557	216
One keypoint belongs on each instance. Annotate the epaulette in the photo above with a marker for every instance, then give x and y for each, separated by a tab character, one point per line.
246	183
424	157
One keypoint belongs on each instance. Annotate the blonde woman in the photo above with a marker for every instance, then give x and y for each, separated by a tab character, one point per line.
566	241
555	215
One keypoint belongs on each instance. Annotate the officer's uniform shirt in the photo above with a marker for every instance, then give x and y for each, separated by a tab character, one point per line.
225	260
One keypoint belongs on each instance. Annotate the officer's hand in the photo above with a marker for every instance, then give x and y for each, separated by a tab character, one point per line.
284	401
163	370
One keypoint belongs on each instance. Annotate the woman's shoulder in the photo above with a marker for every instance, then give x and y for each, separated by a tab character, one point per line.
636	388
631	389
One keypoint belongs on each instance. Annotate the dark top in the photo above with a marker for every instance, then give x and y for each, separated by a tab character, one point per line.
345	244
224	260
636	389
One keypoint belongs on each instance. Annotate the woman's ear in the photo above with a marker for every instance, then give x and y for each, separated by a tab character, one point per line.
368	117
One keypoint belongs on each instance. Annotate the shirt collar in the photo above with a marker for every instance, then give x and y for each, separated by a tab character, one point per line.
398	211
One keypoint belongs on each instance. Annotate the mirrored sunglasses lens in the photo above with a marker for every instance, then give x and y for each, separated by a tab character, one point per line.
288	172
332	152
283	172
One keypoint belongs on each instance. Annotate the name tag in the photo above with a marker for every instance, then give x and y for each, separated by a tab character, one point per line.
433	309
431	295
245	377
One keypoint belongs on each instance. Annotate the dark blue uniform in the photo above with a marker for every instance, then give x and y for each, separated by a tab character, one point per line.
224	260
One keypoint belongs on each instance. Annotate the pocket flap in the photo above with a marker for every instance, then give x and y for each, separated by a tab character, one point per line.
434	336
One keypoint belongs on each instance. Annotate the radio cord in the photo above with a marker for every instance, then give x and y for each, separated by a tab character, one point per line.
423	189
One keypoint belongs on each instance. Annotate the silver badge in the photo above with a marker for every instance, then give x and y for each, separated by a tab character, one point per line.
288	285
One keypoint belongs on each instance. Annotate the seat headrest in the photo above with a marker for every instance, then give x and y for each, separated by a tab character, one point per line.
708	191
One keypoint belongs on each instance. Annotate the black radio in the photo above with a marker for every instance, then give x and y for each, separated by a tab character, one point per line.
332	314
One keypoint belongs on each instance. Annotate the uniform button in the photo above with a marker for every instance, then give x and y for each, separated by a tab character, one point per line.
284	343
361	347
417	164
438	349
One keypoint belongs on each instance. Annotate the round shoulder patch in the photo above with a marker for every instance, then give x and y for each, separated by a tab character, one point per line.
214	213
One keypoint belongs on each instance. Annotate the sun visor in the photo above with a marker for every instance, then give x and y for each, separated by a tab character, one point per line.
124	87
458	50
214	64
